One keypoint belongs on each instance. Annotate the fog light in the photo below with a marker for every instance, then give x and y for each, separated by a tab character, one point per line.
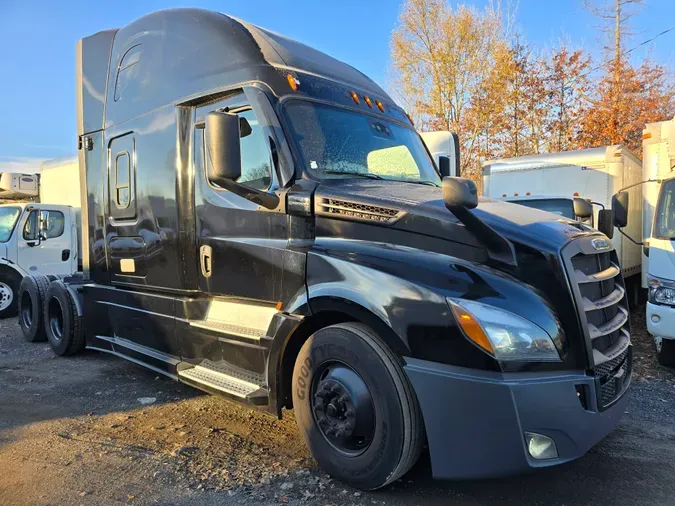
541	447
656	318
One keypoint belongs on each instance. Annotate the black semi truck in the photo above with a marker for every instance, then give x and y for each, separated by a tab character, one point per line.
263	222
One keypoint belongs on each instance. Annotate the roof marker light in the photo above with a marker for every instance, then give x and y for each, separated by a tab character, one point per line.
528	194
355	97
293	82
576	194
369	102
503	194
380	106
515	194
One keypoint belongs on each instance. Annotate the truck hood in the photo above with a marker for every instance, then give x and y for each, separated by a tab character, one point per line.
425	213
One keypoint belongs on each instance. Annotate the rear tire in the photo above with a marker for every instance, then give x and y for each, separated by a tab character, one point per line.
63	326
32	292
356	407
9	293
665	351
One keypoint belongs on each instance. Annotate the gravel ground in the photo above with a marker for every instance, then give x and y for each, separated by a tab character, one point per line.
97	430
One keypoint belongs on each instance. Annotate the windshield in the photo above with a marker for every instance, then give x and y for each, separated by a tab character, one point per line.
561	207
8	217
338	143
664	226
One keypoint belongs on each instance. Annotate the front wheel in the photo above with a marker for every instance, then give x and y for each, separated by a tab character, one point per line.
665	351
355	406
9	288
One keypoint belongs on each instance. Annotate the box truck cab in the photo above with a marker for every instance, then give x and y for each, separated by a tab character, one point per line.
35	238
263	222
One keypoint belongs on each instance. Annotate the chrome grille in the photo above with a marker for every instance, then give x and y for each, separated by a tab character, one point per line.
359	211
602	302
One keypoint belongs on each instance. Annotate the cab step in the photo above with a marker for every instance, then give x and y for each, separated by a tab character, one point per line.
229	329
226	378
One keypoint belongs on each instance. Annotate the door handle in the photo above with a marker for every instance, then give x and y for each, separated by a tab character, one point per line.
65	255
205	260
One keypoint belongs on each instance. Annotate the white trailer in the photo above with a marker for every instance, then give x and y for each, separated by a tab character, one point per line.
25	226
551	182
443	143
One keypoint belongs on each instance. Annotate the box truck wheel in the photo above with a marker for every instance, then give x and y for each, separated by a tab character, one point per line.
9	288
665	351
63	325
32	292
355	406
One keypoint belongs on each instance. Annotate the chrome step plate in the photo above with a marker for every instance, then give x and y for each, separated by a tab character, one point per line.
224	377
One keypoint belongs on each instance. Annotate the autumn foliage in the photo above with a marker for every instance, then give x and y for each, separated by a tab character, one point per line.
461	69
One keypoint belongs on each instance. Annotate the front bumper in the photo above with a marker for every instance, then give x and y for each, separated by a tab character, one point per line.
665	327
475	420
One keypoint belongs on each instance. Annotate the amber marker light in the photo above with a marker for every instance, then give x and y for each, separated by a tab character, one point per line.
293	82
355	97
279	305
379	105
471	328
369	102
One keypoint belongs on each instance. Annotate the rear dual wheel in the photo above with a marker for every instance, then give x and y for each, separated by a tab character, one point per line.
63	325
355	406
32	292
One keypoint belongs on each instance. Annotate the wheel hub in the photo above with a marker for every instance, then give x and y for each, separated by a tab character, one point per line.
334	408
342	407
6	296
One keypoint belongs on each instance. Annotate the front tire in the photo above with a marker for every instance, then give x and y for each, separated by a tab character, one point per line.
356	407
63	325
665	351
32	293
9	288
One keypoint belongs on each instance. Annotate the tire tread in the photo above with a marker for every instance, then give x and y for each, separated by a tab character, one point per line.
412	416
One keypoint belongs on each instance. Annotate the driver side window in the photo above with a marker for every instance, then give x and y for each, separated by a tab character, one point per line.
30	228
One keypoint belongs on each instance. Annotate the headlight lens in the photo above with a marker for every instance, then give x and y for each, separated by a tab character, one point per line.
502	334
661	291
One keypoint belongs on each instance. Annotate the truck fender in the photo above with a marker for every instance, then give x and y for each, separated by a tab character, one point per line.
9	265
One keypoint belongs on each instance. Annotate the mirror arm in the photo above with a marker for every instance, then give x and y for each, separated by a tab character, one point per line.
264	199
499	248
629	237
638	184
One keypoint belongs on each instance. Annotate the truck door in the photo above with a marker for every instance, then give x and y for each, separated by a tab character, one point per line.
245	266
52	253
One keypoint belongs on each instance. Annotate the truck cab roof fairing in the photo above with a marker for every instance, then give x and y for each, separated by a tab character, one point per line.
185	53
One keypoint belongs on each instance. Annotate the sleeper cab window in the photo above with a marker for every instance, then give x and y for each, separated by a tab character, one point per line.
127	71
122	180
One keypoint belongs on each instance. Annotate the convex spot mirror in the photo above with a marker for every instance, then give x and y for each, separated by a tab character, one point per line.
582	208
459	192
620	209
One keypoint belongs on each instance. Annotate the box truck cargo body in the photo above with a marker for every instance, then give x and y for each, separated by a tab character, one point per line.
551	181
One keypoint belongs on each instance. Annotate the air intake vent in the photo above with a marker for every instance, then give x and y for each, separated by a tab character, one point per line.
357	211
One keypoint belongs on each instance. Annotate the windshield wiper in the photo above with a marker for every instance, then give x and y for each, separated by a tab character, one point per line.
428	183
368	175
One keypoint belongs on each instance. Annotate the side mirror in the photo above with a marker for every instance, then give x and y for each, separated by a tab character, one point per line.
582	208
620	209
459	192
222	146
444	166
606	222
43	226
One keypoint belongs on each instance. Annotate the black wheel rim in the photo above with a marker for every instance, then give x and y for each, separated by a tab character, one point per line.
55	313
26	310
342	406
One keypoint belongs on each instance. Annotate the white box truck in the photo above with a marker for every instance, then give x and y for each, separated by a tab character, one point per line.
658	220
25	226
550	182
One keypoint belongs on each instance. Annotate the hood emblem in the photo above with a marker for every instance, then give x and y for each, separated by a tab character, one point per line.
600	244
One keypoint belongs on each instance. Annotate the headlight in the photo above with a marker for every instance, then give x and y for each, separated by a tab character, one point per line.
502	334
661	291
